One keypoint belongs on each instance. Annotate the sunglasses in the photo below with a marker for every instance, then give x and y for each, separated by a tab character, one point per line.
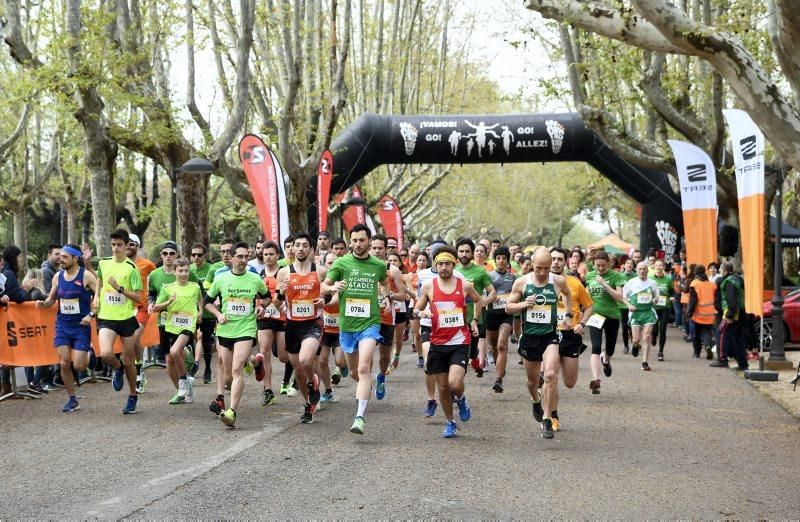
403	255
133	245
197	254
169	253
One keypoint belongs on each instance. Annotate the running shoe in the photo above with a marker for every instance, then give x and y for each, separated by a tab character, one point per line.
430	409
464	411
182	387
116	379
606	366
645	367
130	406
594	385
248	368
345	371
228	417
37	389
207	376
259	367
284	388
479	372
380	389
313	390
538	411
326	397
709	353
177	399
141	382
626	350
292	392
498	385
269	398
358	426
194	368
413	347
71	405
308	414
218	406
489	358
634	351
420	362
395	361
336	376
660	356
449	430
189	389
547	428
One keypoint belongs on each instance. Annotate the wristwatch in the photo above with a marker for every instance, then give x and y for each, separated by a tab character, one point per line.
121	290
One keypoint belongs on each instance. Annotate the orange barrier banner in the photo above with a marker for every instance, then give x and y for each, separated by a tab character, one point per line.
27	333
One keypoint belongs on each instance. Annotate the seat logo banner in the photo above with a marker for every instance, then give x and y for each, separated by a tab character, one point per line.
265	178
391	218
747	142
698	187
324	178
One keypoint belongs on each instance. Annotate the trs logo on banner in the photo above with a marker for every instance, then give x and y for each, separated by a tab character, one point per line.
696	172
749	147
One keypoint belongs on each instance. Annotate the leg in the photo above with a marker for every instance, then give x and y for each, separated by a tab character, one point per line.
366	350
502	349
300	375
443	384
323	367
596	339
106	337
456	380
385	356
663	319
240	355
398	341
626	330
307	359
550	362
491	341
430	380
648	334
611	328
224	360
532	369
352	364
129	359
266	338
172	367
65	354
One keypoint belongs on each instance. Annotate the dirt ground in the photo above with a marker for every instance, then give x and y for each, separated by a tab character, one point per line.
782	391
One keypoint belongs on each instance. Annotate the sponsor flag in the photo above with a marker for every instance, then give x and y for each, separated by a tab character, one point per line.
353	214
391	218
324	178
698	185
748	158
263	176
283	205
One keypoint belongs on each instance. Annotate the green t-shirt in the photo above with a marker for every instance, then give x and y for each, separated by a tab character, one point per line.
665	290
237	294
113	305
182	314
200	273
480	280
626	276
604	304
157	280
210	269
358	302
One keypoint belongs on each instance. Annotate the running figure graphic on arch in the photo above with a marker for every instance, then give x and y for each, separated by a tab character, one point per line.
481	130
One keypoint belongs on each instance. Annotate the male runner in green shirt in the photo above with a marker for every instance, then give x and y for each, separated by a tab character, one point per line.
483	285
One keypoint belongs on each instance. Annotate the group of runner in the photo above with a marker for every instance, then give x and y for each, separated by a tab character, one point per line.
462	306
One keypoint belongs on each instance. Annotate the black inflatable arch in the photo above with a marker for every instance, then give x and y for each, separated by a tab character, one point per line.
374	140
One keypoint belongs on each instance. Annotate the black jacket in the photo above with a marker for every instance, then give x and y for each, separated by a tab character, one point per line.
13	290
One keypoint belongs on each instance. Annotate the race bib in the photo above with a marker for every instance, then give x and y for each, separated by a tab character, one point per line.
644	298
400	306
303	308
271	312
539	314
182	321
596	320
661	300
115	299
330	320
239	307
69	306
500	304
451	318
356	307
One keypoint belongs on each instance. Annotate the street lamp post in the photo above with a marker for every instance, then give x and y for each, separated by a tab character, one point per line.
776	352
193	166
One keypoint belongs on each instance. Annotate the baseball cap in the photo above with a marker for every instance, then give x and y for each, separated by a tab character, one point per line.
170	244
133	238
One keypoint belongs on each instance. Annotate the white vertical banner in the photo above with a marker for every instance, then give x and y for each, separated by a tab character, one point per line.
747	142
697	178
283	205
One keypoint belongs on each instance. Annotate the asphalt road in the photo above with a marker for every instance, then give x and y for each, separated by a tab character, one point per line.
682	441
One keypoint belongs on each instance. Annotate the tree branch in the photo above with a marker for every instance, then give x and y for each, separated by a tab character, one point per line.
6	145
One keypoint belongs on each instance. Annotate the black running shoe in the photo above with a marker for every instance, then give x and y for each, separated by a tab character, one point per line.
634	351
538	411
709	353
313	390
478	372
498	385
547	429
660	356
606	367
308	414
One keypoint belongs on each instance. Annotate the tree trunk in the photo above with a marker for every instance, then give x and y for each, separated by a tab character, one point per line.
21	237
298	203
72	222
192	209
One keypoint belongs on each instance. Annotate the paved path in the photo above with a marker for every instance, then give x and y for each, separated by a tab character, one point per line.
683	441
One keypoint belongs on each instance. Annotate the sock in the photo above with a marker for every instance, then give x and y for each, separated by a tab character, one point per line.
459	398
554	414
72	398
362	407
537	401
138	367
182	377
269	390
328	390
221	397
287	372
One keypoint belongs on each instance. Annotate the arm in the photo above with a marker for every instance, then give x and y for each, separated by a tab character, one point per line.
692	302
162	302
399	284
422	302
87	259
561	285
470	292
491	297
51	298
282	283
13	290
513	304
733	303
